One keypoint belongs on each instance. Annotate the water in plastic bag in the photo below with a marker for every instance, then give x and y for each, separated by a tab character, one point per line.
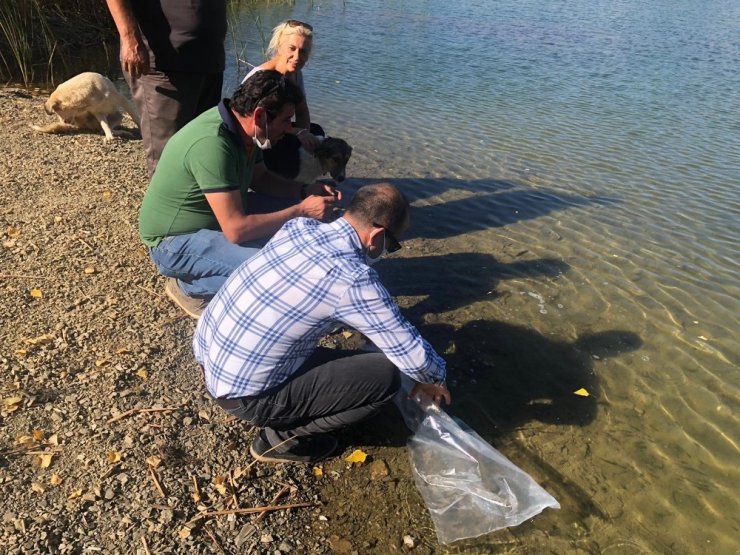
469	487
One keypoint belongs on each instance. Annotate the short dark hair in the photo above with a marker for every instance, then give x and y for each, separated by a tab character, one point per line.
268	89
380	204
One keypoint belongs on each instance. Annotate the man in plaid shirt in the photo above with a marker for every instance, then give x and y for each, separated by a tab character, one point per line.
257	340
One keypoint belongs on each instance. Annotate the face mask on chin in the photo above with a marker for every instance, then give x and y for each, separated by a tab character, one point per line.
267	145
370	260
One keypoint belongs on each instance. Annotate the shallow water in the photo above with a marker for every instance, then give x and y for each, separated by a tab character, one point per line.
574	168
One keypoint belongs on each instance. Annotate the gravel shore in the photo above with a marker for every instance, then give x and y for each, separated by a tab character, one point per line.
108	441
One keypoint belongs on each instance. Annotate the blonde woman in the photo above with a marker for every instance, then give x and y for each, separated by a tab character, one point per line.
289	50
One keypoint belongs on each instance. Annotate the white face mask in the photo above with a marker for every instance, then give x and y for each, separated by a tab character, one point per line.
370	260
267	145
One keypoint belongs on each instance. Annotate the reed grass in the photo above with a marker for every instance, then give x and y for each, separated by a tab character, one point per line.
35	34
38	37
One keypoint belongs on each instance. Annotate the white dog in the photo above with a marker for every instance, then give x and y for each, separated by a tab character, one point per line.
89	101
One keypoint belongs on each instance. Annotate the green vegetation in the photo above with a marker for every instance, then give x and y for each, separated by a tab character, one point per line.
36	34
43	42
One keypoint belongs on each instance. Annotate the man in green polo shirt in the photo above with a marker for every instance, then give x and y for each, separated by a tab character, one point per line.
212	203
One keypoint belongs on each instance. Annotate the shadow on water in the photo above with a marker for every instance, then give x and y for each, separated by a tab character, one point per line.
502	375
455	280
507	375
489	204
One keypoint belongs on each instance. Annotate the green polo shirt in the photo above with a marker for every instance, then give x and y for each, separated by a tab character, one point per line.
205	156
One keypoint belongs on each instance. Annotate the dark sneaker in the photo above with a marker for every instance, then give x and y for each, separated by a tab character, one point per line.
192	306
303	449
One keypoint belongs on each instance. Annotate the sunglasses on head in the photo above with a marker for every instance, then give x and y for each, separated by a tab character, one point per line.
296	23
391	243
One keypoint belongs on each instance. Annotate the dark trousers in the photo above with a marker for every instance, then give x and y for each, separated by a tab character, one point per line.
332	390
167	101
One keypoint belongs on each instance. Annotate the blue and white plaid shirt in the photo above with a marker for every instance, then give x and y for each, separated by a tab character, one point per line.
269	315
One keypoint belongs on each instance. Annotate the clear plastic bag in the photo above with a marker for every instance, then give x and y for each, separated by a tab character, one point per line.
469	487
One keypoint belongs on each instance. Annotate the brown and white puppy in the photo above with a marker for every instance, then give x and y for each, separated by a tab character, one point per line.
330	157
89	101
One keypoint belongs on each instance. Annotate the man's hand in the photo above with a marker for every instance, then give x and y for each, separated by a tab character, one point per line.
134	56
323	189
308	140
432	392
318	207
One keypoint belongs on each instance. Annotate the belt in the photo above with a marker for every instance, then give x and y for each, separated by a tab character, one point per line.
229	403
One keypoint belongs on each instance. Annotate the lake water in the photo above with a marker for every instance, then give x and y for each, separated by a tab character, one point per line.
574	169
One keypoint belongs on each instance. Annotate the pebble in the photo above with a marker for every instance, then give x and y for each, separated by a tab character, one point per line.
379	469
244	534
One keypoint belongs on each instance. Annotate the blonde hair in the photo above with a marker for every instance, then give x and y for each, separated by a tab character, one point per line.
285	29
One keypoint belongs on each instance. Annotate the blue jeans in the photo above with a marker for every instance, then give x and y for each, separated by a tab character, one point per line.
201	261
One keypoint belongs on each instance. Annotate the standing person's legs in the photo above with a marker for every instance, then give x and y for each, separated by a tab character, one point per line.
167	101
201	261
332	390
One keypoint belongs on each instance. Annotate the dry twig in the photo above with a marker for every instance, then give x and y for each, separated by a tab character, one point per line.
233	490
266	508
196	491
132	412
146	547
108	472
274	500
213	538
23	276
153	474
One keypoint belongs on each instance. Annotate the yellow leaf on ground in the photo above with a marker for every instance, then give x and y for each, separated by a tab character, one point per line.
100	362
38	488
13	231
220	484
581	392
74	493
318	471
38	435
57	219
122	351
21	352
44	461
347	334
26	441
106	194
53	440
142	373
184	533
56	479
153	461
89	270
113	456
37	293
40	340
10	401
357	456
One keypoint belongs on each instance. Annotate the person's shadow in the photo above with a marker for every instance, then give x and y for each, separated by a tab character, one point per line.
502	376
483	204
454	280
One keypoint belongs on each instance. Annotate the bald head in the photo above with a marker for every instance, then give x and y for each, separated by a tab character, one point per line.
380	204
